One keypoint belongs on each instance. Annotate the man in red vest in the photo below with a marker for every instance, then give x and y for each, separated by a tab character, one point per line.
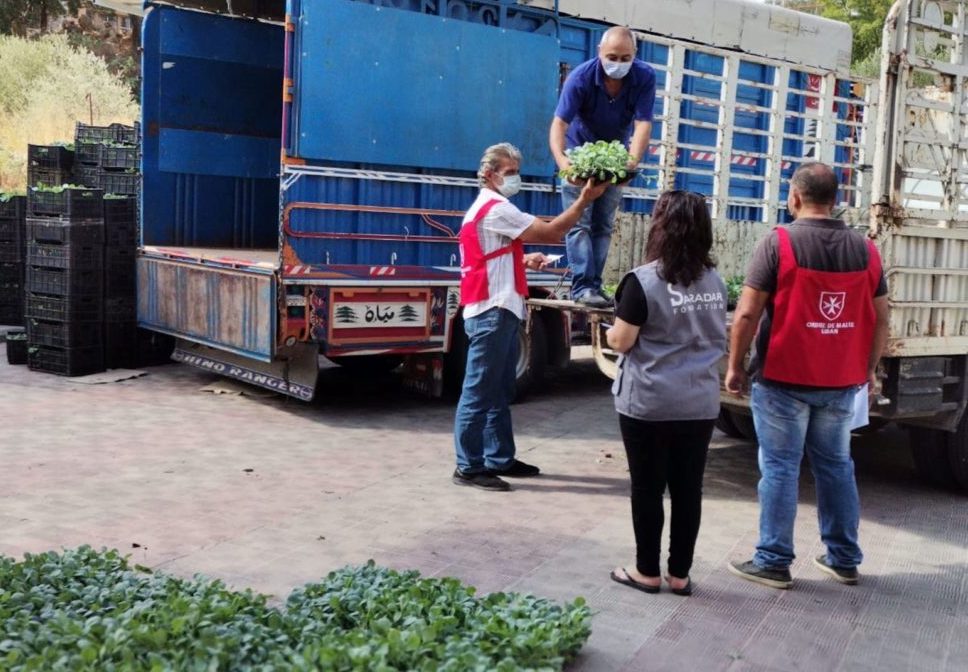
817	294
492	290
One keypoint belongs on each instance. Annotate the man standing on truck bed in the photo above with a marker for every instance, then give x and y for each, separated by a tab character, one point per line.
492	290
607	98
819	341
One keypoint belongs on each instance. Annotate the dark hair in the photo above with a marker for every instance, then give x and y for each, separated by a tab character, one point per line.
816	183
681	237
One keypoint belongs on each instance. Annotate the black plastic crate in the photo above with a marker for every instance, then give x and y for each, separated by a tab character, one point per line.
14	207
11	252
113	133
62	230
64	309
121	308
121	236
121	210
121	344
11	229
50	178
120	183
89	176
65	282
65	334
11	274
65	361
72	255
12	313
74	203
87	153
50	157
114	157
120	282
16	347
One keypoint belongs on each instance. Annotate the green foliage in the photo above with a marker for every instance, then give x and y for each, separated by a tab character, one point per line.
734	287
19	16
600	160
86	610
46	86
7	195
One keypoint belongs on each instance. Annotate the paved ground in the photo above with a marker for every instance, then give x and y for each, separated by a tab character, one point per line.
270	493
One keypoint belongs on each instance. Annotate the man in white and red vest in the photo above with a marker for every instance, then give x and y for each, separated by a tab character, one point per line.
816	300
493	287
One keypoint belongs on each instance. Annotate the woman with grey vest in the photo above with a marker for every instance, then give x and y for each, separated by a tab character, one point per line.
670	326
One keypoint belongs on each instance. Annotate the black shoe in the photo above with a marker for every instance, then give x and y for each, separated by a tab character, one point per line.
484	480
593	300
518	469
774	578
846	575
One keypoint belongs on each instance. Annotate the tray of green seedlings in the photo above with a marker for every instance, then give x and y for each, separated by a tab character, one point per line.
602	161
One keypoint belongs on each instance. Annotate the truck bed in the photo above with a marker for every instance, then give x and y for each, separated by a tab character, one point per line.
255	260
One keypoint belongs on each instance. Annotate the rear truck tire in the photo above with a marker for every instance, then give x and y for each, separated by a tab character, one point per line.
724	423
743	424
368	364
532	357
958	453
530	368
930	452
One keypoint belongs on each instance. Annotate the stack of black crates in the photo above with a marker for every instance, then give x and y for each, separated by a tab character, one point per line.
108	158
65	267
13	212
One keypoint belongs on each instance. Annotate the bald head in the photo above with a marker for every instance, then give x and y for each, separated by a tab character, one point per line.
817	184
618	37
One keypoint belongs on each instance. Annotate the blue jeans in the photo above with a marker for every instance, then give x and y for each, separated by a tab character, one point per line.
787	421
482	428
587	242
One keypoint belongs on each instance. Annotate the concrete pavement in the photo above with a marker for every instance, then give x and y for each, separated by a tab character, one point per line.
271	493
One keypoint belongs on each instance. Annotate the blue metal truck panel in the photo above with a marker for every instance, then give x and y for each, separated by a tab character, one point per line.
417	90
210	109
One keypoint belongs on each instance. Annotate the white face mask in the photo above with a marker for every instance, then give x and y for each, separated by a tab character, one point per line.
616	69
510	186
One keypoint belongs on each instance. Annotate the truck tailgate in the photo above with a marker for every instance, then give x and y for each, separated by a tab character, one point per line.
225	299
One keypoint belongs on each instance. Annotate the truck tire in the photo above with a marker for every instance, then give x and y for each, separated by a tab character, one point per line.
724	423
929	449
743	424
531	365
532	357
958	453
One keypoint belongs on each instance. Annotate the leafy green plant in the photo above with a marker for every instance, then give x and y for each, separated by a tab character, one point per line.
87	610
734	287
600	160
7	195
56	188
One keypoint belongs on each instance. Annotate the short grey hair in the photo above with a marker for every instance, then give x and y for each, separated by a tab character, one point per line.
493	156
624	31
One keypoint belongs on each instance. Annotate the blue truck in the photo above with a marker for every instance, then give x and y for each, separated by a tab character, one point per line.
306	165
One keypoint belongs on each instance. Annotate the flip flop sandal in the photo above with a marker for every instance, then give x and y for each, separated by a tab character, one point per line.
627	580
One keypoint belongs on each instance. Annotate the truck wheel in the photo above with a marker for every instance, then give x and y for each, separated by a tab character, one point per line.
532	357
958	453
929	448
743	424
724	423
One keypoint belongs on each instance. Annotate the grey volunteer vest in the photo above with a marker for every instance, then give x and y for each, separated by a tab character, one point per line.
672	371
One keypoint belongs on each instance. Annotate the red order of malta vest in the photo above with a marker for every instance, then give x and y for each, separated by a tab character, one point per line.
473	261
823	322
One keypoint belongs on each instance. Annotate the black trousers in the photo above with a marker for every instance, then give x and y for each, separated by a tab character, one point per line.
669	453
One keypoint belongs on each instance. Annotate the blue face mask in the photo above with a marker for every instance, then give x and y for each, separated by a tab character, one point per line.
615	69
510	186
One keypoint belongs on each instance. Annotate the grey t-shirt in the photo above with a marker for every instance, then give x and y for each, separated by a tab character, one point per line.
818	244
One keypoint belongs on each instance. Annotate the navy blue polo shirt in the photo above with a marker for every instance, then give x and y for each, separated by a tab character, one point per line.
592	115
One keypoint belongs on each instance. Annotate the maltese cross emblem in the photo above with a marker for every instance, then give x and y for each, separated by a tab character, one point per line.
832	304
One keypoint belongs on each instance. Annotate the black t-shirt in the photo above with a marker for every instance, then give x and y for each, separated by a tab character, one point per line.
630	303
818	244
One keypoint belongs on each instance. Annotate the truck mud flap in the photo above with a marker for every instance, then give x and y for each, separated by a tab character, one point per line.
292	373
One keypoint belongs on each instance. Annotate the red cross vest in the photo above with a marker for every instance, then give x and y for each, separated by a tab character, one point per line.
823	322
473	261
